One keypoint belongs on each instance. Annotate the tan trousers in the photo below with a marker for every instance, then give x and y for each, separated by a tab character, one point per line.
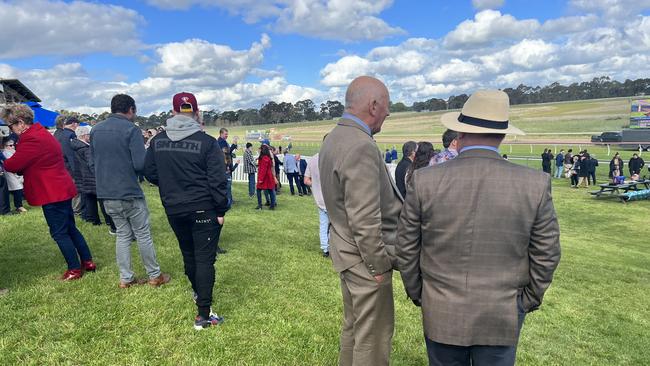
583	181
368	318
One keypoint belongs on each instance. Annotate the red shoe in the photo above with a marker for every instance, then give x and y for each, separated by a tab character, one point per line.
89	266
72	274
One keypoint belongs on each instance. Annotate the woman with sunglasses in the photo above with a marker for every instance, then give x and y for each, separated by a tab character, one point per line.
39	159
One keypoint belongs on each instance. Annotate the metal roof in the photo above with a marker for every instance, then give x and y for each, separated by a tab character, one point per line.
16	85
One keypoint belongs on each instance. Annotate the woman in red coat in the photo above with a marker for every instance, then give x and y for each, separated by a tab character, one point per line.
39	159
265	177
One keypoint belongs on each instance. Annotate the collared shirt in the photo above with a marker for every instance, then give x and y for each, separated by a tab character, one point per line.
441	157
358	121
290	164
482	147
249	162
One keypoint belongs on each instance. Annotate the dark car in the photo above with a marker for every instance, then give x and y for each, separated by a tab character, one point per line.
607	137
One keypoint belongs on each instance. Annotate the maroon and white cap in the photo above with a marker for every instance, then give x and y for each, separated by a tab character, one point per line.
185	103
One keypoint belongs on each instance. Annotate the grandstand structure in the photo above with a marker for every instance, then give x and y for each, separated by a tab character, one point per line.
14	91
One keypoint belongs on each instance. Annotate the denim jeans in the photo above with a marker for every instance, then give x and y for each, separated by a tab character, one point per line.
558	171
60	218
269	192
131	218
251	184
324	230
198	238
229	189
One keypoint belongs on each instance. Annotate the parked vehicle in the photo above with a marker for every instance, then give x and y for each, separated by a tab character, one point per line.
608	137
640	138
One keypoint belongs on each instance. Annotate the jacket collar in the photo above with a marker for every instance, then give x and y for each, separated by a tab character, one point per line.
479	153
120	116
350	123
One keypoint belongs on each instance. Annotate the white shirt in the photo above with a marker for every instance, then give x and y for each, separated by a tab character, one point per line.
313	173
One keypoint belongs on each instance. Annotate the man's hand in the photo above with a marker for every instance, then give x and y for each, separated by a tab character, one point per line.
379	278
220	220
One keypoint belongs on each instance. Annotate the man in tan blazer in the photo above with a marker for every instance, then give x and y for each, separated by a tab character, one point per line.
363	205
478	241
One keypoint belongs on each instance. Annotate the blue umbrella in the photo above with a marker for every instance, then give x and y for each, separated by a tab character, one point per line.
43	116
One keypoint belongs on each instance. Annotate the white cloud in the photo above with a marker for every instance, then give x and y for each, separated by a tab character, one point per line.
487	4
69	86
454	71
52	27
344	70
498	51
327	19
613	11
338	19
527	54
199	62
489	26
567	25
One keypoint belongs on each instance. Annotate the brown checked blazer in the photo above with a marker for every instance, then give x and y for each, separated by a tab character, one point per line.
362	200
475	234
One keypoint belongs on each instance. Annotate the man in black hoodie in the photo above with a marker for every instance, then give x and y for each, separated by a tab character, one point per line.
635	165
189	168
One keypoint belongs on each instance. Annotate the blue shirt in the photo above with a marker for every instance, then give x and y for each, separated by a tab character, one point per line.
482	147
289	163
358	121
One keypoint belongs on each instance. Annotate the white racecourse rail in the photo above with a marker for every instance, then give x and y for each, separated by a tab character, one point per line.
239	176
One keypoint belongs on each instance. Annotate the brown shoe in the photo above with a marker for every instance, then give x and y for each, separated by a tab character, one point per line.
132	283
160	280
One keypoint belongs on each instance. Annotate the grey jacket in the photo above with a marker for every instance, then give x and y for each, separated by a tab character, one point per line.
117	149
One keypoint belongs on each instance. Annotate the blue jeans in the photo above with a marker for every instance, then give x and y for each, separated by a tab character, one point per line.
251	184
324	230
229	189
60	218
558	171
444	354
267	193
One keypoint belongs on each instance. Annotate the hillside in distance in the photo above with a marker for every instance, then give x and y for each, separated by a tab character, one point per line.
575	121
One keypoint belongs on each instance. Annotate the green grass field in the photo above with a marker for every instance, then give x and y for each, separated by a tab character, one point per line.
282	302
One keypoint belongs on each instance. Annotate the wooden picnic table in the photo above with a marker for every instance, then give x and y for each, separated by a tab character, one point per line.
611	189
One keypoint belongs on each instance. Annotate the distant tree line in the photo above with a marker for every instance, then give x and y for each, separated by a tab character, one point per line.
306	110
601	87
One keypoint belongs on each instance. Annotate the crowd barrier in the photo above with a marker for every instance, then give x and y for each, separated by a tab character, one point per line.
239	176
531	162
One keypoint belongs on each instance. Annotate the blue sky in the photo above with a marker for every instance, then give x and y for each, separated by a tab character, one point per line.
242	53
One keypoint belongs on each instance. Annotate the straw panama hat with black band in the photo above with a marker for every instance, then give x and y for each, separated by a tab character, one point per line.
486	111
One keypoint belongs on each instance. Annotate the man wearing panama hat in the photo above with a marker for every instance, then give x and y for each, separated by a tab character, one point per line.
478	241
